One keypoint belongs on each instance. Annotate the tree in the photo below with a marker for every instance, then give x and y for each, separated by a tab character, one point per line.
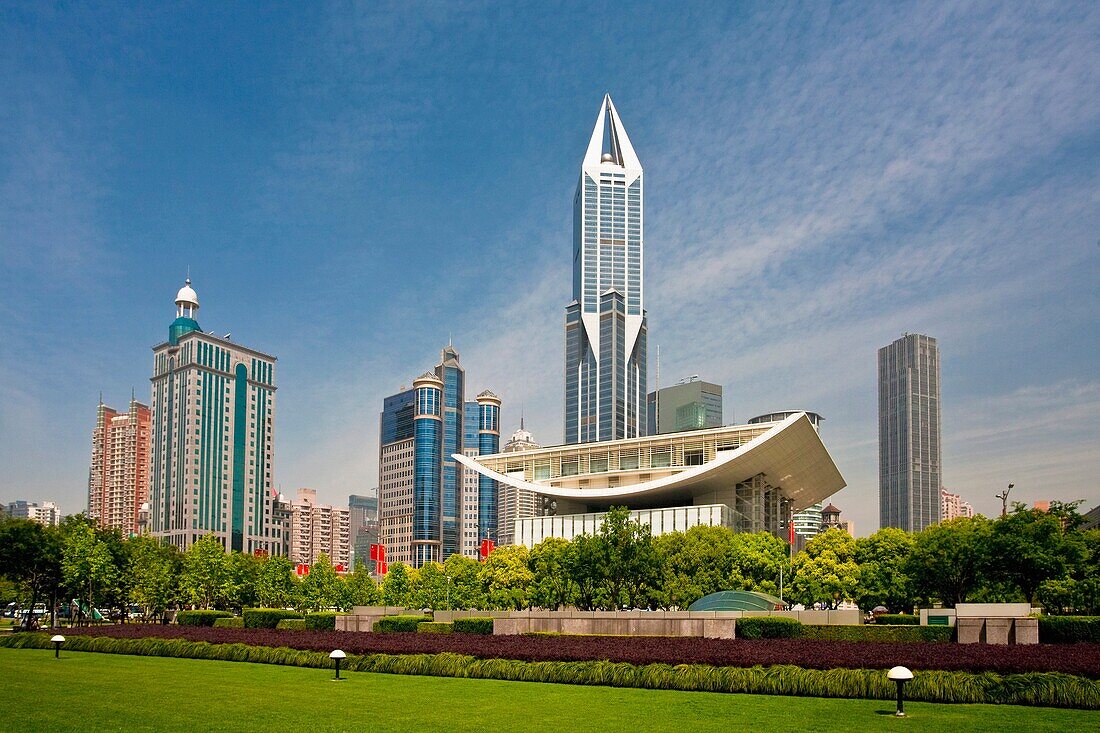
551	585
825	572
88	566
360	589
397	585
505	577
882	578
276	586
431	587
949	559
696	563
632	571
206	580
154	574
30	557
586	563
464	575
321	588
757	559
1030	546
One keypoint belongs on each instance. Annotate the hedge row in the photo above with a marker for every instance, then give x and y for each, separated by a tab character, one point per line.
200	618
324	621
234	622
1069	629
878	633
768	627
474	625
433	627
390	624
1051	689
266	618
897	619
291	624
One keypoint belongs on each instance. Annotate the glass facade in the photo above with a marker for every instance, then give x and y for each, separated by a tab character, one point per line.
488	444
909	433
428	435
605	329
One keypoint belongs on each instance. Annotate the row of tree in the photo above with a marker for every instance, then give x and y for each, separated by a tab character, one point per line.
1027	555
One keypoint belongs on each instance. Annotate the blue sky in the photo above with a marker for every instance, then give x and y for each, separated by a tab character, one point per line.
352	184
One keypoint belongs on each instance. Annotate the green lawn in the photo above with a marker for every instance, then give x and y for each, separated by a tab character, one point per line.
104	692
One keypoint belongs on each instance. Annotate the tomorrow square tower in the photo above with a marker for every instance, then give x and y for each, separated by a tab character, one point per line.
605	324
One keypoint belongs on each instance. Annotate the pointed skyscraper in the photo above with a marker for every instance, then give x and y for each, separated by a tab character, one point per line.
605	325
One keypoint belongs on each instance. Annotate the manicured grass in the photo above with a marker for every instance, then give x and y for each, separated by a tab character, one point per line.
84	691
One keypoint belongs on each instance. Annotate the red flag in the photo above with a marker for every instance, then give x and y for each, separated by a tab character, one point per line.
791	535
487	546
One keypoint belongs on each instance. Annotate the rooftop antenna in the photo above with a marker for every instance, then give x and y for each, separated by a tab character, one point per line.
657	398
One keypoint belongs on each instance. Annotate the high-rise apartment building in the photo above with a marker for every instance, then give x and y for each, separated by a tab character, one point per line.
317	529
952	506
48	513
513	502
363	520
424	515
213	426
118	482
692	404
605	324
909	433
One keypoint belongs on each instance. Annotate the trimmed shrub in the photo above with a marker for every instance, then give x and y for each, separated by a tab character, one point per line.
391	624
1069	629
473	625
1051	689
200	618
434	627
768	627
234	622
291	624
877	632
266	618
897	619
324	621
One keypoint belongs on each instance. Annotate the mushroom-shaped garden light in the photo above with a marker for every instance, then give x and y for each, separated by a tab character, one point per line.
336	656
900	675
57	641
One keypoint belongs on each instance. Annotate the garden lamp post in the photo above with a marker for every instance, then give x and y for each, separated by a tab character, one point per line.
900	675
336	656
57	641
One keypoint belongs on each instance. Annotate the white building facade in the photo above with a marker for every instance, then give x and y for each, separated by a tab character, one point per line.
212	452
317	529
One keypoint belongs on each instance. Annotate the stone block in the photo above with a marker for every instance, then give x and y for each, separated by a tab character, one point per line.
510	626
719	628
969	630
1025	631
997	630
992	610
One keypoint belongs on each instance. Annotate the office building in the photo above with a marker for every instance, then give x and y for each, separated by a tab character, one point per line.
515	503
952	506
48	513
909	433
118	482
605	324
363	520
807	522
212	450
426	513
691	404
317	529
750	478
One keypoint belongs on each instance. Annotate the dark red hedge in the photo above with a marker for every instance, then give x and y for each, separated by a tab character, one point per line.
1080	659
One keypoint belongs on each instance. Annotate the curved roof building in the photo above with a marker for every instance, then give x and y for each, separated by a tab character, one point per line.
748	477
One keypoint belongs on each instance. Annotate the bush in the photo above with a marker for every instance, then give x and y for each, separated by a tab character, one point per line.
266	618
768	627
200	618
897	619
291	624
473	625
433	627
235	622
390	624
1069	629
878	632
324	621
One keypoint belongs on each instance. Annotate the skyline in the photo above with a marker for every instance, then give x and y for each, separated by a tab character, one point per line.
819	182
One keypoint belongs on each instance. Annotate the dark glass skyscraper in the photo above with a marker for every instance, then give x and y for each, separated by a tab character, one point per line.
605	324
909	433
